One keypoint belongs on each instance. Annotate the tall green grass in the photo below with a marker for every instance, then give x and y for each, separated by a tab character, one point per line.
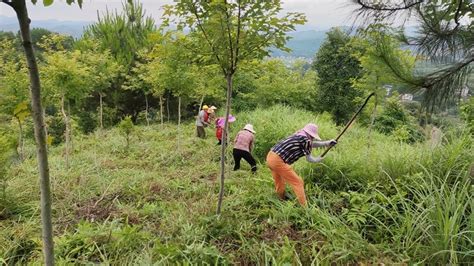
373	200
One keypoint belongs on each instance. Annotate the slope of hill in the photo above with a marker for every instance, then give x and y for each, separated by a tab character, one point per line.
154	203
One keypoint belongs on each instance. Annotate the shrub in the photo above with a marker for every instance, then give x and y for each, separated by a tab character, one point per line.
8	144
395	120
467	113
56	128
126	127
87	121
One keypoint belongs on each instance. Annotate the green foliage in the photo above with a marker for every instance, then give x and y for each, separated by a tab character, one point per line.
65	76
8	145
273	124
389	202
123	34
87	121
50	2
377	45
172	67
395	120
467	113
55	42
7	150
442	38
126	127
100	62
13	81
376	198
56	127
270	82
233	31
337	67
92	242
381	46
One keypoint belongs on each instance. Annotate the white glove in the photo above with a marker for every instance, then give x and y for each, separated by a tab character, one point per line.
312	159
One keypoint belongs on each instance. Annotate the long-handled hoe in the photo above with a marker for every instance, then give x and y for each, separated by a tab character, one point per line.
349	123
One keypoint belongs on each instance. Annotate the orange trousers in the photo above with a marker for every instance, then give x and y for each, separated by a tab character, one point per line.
283	173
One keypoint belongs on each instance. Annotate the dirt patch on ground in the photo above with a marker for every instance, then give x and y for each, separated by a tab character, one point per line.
132	218
278	233
227	245
97	209
205	177
157	191
212	177
108	164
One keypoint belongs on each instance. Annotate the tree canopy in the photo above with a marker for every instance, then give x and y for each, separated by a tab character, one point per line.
444	36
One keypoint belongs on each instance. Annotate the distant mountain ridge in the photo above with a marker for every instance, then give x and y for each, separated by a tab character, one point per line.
304	42
73	28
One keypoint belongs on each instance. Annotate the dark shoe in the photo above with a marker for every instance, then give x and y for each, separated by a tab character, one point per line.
288	196
254	169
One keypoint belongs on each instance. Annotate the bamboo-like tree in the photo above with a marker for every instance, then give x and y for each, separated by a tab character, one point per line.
67	79
105	68
141	80
230	32
19	6
148	77
175	69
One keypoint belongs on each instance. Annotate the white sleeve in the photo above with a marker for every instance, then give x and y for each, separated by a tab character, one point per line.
319	144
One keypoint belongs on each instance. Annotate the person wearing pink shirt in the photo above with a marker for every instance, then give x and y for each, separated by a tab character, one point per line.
243	146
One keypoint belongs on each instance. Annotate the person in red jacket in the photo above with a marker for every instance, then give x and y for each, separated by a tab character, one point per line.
219	130
220	123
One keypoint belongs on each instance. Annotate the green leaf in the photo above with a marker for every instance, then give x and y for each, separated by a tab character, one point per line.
34	2
21	111
48	2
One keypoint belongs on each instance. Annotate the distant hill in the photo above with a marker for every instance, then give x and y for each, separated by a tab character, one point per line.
73	28
304	43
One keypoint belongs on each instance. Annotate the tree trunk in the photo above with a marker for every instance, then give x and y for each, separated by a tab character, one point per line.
128	141
71	134
45	126
39	128
101	111
66	132
168	107
161	109
20	141
224	142
179	121
146	110
200	104
372	120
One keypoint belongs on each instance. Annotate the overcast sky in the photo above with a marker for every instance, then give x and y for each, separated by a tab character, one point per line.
321	14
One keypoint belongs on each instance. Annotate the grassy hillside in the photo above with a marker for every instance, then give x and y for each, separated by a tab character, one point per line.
373	200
